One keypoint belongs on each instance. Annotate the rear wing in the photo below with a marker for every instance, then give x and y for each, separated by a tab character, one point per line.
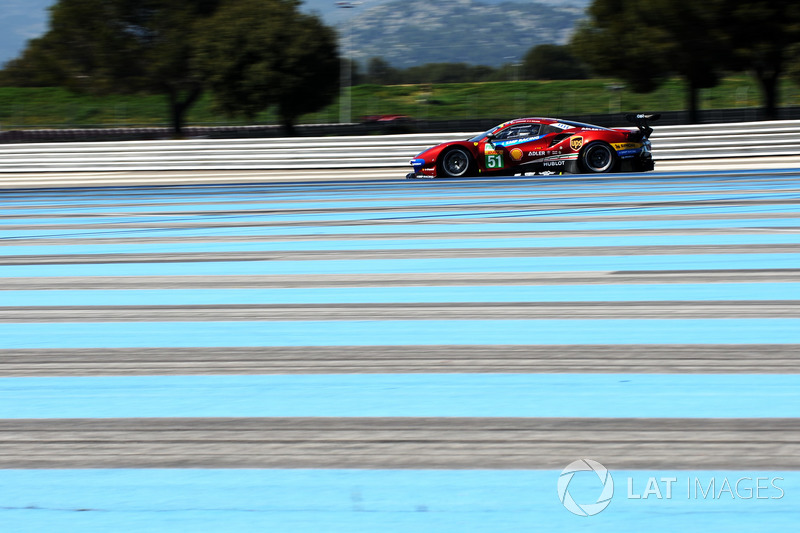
642	122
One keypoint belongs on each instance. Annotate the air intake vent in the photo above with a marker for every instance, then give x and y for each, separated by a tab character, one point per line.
558	138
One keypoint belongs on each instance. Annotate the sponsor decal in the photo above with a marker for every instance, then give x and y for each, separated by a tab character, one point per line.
627	154
576	142
556	163
516	154
562	126
417	164
625	146
494	159
518	141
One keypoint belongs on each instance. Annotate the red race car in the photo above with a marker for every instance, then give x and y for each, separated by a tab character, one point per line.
541	145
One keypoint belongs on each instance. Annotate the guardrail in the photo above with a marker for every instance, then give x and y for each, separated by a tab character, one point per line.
670	143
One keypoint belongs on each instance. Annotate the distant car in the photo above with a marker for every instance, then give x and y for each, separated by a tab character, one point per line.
385	119
541	145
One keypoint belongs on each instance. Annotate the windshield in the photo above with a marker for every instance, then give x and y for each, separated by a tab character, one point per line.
482	135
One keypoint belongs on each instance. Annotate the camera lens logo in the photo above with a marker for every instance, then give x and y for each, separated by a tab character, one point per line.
586	509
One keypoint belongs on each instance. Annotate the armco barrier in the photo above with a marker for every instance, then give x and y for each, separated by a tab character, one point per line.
670	143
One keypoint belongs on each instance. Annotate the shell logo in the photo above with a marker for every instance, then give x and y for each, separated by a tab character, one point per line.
516	154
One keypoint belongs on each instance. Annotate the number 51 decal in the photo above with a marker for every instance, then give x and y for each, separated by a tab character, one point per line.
494	160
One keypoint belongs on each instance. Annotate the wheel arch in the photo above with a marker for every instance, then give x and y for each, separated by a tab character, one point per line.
472	162
589	148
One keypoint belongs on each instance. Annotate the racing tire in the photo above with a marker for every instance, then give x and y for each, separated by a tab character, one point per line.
456	163
597	158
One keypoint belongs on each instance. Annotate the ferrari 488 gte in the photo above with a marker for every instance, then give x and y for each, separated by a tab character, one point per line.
541	145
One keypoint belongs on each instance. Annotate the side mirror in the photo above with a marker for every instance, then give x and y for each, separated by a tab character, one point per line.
490	138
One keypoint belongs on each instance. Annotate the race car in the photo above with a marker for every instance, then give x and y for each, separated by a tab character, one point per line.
542	145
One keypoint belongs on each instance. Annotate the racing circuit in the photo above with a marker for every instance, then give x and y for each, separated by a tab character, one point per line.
391	355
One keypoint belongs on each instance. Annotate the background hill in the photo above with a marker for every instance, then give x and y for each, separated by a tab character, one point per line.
412	32
404	32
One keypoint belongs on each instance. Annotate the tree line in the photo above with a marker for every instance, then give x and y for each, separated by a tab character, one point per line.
256	54
542	62
251	54
643	43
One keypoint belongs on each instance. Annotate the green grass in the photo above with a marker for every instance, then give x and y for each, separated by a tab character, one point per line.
55	107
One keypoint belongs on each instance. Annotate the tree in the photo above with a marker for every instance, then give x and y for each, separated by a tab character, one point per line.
552	62
447	73
265	53
763	33
107	46
380	72
36	67
645	43
613	42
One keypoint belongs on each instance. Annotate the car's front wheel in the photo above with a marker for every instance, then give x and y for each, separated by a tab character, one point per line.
456	163
598	157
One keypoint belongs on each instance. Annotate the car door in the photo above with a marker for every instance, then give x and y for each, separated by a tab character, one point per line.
537	148
509	147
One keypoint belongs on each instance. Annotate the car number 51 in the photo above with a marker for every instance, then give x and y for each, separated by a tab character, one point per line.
494	161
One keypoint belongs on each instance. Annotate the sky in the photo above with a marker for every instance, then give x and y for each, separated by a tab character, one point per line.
20	20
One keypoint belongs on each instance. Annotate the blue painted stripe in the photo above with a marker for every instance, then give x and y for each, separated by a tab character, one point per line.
389	501
467	212
686	178
401	228
429	294
398	197
442	265
564	195
406	244
404	395
510	207
397	333
711	178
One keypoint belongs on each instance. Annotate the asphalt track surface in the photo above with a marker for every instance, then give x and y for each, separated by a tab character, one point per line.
322	338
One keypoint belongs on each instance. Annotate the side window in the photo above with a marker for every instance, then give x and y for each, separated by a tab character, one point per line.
548	129
534	130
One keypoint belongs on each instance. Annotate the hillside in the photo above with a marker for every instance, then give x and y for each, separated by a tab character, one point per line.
414	32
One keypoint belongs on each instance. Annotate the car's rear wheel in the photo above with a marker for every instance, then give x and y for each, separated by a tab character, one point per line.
456	163
598	157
